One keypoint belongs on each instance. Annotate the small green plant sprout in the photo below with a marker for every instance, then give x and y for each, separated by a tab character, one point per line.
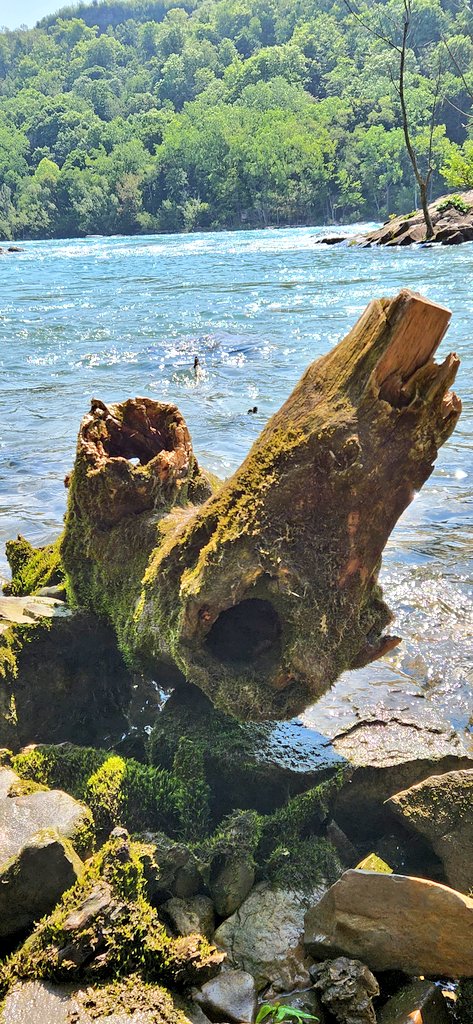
276	1013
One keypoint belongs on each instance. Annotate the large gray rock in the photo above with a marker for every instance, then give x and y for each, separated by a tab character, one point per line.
391	742
34	879
347	988
441	810
231	996
394	922
21	817
264	937
43	1003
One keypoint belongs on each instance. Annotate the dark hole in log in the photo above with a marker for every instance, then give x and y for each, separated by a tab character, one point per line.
138	446
245	632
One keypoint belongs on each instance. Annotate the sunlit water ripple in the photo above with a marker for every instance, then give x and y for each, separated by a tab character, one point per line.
118	317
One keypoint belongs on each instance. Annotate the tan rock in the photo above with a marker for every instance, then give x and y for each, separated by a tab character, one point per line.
441	810
394	922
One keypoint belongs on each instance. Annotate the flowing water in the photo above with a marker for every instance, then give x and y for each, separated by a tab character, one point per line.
118	317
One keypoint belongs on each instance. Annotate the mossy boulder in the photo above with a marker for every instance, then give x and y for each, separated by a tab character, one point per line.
129	1000
119	791
33	568
105	926
247	764
62	676
23	816
34	879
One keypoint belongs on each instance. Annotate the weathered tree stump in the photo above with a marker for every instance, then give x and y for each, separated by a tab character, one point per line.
264	593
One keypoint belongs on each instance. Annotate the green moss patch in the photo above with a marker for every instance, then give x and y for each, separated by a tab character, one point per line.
33	568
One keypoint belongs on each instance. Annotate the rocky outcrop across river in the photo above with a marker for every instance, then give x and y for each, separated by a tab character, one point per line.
452	221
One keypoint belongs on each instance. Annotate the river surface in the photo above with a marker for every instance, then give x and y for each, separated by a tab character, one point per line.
117	317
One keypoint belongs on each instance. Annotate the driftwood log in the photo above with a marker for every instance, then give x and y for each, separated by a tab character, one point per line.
263	589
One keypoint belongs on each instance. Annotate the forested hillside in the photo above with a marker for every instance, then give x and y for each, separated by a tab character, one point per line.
168	115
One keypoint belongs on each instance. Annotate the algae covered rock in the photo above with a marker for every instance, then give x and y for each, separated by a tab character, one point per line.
441	810
105	926
34	879
63	677
131	1001
394	922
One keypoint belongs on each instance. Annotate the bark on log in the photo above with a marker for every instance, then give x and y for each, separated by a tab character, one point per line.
265	593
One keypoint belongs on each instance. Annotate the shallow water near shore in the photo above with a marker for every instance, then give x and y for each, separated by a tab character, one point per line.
118	317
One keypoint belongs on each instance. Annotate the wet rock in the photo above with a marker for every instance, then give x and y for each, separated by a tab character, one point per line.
115	1003
441	810
63	677
305	999
394	922
264	937
390	745
14	248
188	916
347	989
22	817
34	879
229	997
419	1001
464	1006
331	240
173	869
247	764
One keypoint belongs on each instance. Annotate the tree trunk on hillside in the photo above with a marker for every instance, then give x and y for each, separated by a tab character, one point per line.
268	590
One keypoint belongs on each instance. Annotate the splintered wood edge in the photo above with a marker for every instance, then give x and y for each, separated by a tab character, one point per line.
417	326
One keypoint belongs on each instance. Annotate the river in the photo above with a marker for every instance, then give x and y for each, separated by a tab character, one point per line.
118	317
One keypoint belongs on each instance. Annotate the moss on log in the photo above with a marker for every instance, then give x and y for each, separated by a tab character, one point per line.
264	591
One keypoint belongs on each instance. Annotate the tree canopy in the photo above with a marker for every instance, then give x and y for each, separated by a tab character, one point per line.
126	116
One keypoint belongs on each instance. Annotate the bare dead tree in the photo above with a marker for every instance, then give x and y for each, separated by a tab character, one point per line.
422	178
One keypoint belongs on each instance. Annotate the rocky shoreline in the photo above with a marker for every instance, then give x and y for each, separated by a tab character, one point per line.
231	867
452	221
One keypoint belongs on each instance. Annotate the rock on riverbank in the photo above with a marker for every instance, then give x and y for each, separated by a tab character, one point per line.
452	220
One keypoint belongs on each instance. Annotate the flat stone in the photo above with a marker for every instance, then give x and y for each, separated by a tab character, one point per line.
21	817
441	810
27	610
390	743
394	922
264	937
231	996
33	881
419	1001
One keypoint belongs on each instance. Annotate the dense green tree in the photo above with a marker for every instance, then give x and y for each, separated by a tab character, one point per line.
170	115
